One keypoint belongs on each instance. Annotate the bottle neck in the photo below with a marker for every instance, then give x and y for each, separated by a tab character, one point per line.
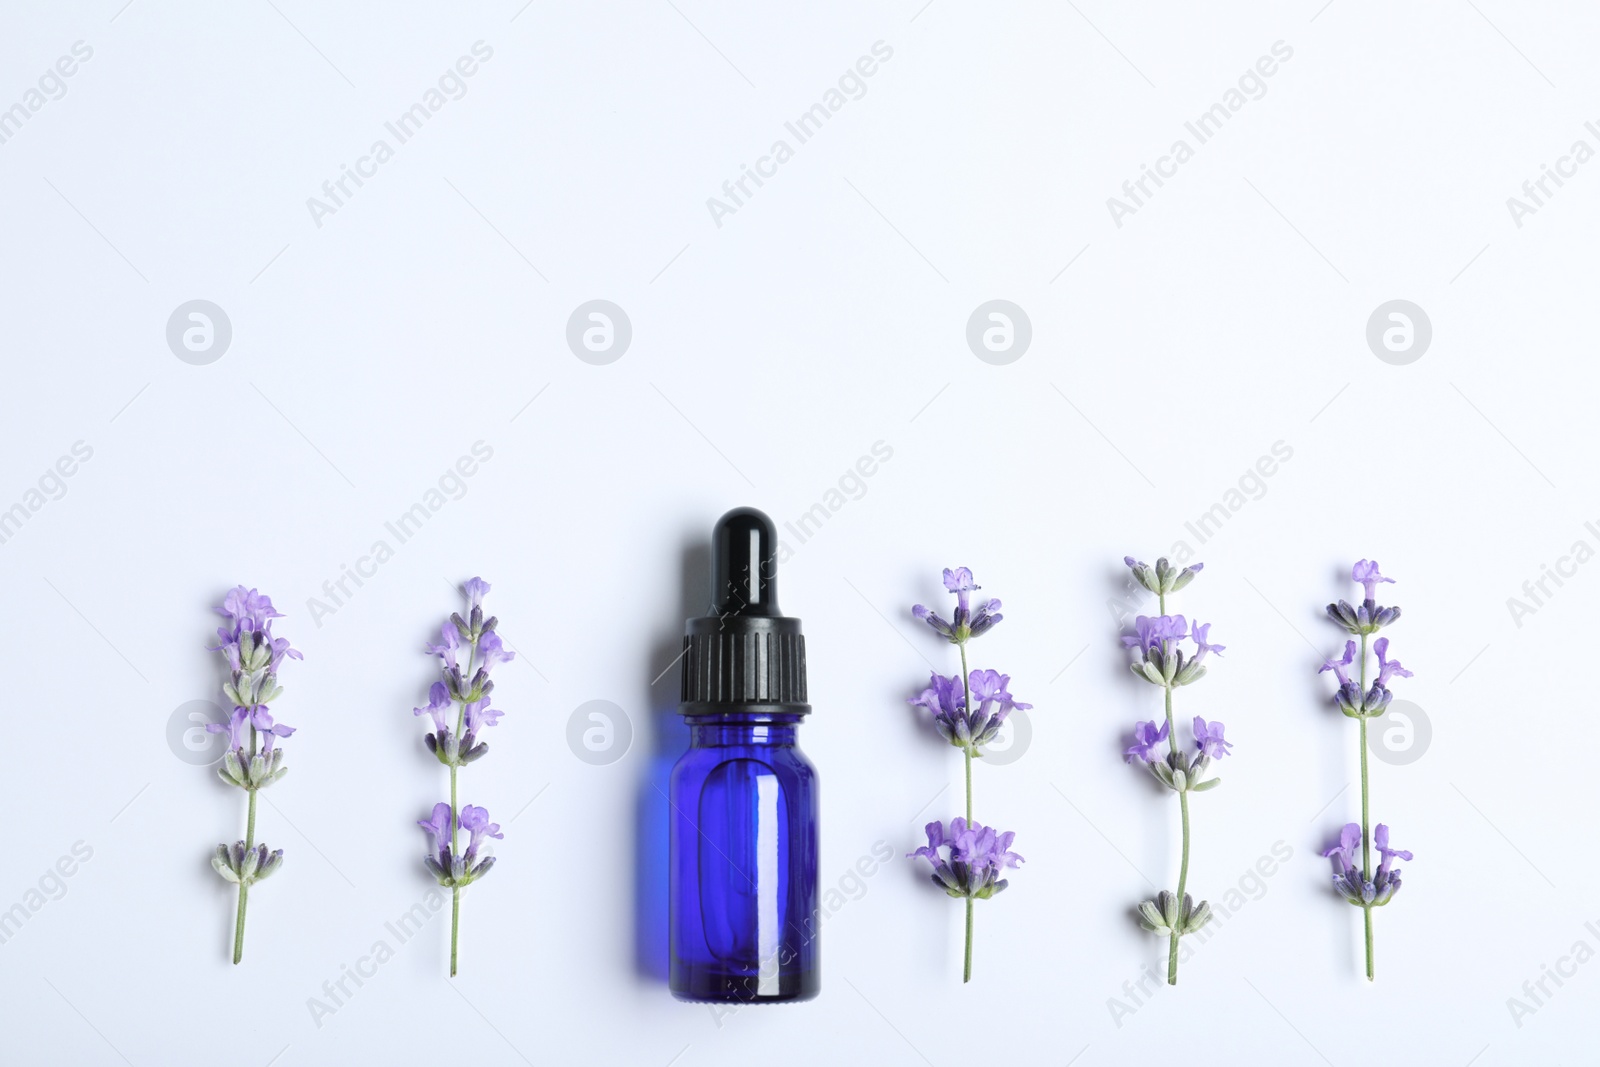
721	731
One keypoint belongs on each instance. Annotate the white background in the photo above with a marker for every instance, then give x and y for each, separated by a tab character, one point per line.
769	353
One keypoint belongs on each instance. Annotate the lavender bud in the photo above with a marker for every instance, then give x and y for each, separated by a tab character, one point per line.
1143	574
1170	911
1184	577
222	862
271	864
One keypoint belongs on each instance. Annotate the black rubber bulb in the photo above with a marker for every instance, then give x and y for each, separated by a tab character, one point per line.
744	567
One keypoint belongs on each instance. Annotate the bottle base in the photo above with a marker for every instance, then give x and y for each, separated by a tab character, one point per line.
703	985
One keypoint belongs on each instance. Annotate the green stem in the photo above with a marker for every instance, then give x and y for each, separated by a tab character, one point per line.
1366	822
1183	807
969	788
455	926
1183	881
966	689
455	815
966	969
1368	915
1183	866
455	892
249	843
1172	731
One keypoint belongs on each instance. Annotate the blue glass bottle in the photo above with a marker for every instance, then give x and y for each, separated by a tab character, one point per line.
743	898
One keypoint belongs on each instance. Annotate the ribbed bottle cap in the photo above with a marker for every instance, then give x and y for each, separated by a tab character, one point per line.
747	656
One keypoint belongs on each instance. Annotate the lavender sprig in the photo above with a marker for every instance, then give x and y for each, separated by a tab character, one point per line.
254	656
465	690
1161	659
968	711
1362	886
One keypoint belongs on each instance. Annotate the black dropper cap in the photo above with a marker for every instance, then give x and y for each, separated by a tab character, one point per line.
746	656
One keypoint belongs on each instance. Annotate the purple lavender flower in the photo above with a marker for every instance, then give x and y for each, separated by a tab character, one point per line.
992	701
1387	667
1380	841
438	827
249	609
967	861
475	637
439	702
252	761
967	624
476	822
1348	696
270	731
1341	667
246	726
479	714
449	644
1208	738
1370	617
236	728
983	850
1366	573
1145	739
1376	700
946	701
250	612
1153	634
1162	660
240	725
1344	853
1349	881
493	652
930	851
1198	634
447	866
